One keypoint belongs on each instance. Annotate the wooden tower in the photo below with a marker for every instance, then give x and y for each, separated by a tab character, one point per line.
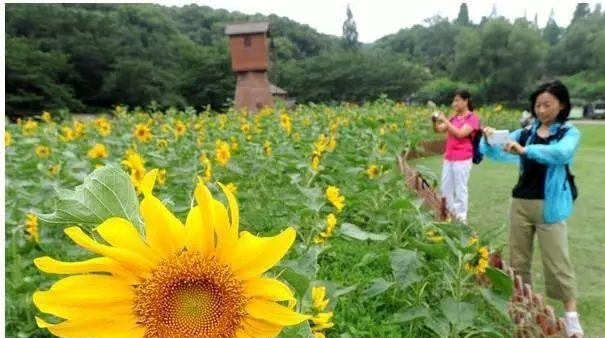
249	44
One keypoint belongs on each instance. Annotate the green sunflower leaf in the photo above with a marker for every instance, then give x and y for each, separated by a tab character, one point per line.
378	286
405	265
353	231
502	284
459	314
107	192
302	330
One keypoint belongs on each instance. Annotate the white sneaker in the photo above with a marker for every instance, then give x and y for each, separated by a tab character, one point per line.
573	327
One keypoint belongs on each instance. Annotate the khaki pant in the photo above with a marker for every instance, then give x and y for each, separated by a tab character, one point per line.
525	220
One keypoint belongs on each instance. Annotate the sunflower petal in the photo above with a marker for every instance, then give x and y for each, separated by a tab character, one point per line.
90	284
98	264
260	328
81	296
205	202
233	209
102	328
148	182
199	236
247	243
136	263
273	313
255	255
215	220
242	334
225	237
121	233
165	233
78	308
270	289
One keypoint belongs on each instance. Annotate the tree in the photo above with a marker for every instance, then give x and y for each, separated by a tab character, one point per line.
430	46
463	18
349	31
36	79
467	55
575	51
552	31
582	11
340	76
599	47
528	54
512	56
303	41
97	55
494	12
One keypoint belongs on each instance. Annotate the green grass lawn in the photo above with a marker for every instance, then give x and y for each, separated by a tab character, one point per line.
490	189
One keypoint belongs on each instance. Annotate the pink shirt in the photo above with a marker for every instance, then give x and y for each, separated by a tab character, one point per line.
461	149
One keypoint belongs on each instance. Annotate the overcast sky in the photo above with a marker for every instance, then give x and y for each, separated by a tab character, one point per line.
376	18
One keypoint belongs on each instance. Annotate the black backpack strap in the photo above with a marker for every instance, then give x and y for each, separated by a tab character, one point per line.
475	132
524	136
471	115
526	132
561	132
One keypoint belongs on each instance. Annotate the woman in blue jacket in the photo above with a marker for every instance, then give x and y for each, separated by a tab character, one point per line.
542	198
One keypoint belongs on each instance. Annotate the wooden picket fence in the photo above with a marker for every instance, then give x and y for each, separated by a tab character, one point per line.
532	318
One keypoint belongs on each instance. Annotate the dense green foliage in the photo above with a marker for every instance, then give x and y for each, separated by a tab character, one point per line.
389	269
90	56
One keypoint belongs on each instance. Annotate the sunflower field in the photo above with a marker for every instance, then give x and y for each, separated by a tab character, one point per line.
284	223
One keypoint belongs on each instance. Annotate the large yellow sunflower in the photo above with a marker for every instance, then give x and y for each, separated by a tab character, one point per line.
200	279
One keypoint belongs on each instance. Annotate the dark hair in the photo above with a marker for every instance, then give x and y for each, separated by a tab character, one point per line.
464	94
558	90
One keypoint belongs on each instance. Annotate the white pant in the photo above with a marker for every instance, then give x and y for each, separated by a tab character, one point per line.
454	186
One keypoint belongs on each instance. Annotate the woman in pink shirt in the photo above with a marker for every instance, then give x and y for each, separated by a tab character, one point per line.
458	158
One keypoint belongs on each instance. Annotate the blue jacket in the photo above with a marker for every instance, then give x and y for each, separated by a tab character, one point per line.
558	202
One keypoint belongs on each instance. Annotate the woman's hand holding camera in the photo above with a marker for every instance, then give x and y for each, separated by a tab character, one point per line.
441	117
488	131
514	147
438	117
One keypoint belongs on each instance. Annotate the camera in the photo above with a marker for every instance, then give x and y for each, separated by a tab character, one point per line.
434	116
